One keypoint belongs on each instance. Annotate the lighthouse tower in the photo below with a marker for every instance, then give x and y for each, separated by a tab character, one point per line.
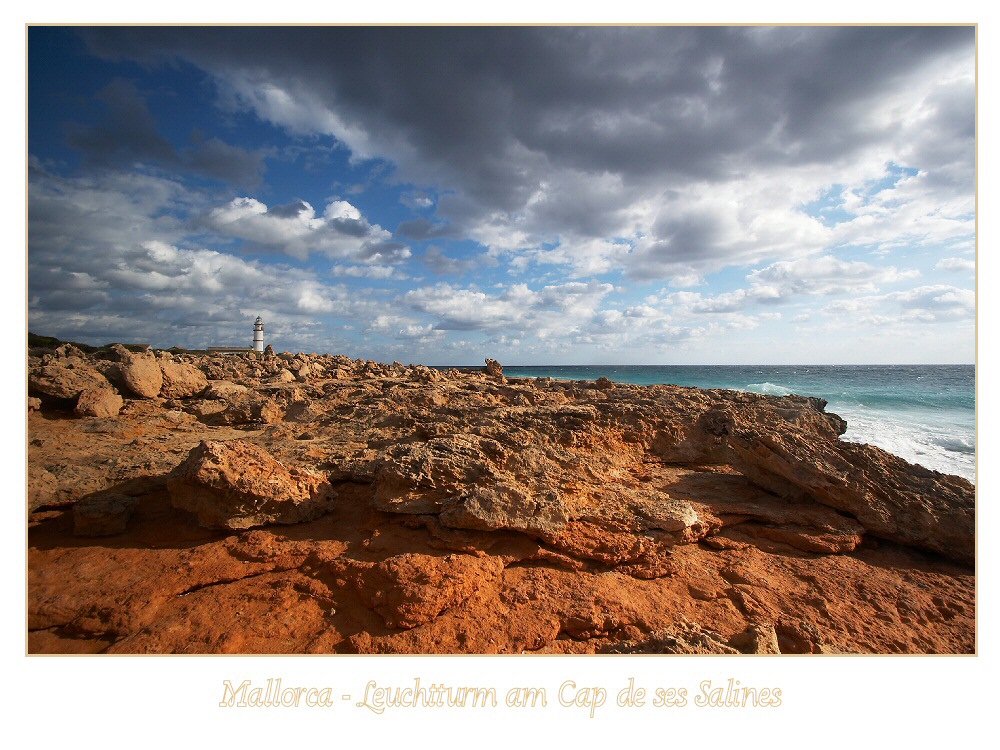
258	335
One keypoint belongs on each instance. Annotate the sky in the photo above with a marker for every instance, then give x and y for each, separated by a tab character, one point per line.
538	195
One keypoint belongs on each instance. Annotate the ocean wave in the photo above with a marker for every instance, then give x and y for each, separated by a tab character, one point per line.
916	443
769	389
956	444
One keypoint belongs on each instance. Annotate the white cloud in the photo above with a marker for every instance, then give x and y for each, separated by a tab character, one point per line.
955	264
341	232
131	276
367	272
937	302
825	275
516	308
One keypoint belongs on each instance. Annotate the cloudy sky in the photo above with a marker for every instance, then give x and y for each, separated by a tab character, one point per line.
536	195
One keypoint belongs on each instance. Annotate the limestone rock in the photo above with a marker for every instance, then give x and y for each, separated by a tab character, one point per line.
181	380
250	408
412	589
664	512
34	404
681	638
759	638
418	478
141	374
64	378
236	485
223	390
102	515
283	376
889	497
99	402
68	350
494	369
733	509
118	353
42	487
506	506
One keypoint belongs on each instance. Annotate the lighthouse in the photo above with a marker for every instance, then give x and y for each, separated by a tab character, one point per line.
258	335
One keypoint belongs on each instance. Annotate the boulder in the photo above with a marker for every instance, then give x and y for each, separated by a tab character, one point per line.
283	376
236	485
223	390
494	369
99	402
181	380
118	353
141	374
250	407
68	350
64	378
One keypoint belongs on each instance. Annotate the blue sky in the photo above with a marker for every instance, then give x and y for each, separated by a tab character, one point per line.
535	195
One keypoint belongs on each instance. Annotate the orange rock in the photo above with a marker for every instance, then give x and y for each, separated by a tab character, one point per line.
236	485
476	515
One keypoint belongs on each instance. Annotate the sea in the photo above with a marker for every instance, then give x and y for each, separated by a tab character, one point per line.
923	413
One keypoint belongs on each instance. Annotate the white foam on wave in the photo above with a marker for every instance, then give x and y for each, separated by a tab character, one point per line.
932	446
769	389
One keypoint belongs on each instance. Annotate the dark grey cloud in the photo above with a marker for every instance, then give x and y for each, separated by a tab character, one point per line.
532	135
219	160
290	210
423	229
128	134
444	265
352	227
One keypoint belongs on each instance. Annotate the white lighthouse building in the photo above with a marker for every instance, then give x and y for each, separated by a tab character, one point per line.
258	335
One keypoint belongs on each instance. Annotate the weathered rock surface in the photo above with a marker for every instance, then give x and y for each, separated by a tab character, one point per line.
102	514
99	402
889	497
140	374
682	638
236	485
494	369
409	590
42	487
64	378
223	390
250	408
473	513
181	380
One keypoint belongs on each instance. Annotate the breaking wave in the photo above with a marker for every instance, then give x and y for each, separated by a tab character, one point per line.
769	389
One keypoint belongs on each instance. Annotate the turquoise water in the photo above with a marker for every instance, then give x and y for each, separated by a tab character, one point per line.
923	413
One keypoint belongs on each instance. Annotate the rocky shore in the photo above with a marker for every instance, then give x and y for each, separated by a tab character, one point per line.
291	503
